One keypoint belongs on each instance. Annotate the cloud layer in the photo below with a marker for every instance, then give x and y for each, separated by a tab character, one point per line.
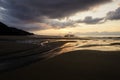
32	9
114	15
90	20
17	11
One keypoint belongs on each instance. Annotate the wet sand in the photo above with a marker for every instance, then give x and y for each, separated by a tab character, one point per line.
90	60
76	65
7	47
14	54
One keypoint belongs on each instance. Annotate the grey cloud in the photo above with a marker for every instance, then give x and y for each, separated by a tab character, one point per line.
72	23
33	9
90	20
59	24
31	27
113	15
17	12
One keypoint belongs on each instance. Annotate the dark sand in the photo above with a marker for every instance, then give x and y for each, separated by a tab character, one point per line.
76	65
14	55
7	47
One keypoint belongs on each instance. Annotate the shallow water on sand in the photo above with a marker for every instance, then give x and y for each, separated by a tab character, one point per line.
96	44
25	58
102	45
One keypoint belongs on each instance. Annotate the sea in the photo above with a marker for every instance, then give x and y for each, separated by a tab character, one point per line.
98	35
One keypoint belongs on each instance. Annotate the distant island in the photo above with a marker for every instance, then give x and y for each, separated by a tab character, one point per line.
69	35
5	30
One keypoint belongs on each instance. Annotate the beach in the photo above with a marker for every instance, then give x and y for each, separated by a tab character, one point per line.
61	59
59	39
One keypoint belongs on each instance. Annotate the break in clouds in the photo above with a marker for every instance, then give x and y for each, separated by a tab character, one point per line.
36	14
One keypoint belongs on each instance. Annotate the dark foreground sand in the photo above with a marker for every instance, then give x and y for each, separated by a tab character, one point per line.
14	55
76	65
82	64
7	47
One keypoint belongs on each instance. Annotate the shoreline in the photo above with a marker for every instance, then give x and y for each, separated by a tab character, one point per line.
19	58
59	59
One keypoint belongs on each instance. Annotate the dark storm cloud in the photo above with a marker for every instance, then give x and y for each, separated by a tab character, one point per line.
90	20
33	9
32	27
113	15
60	24
20	11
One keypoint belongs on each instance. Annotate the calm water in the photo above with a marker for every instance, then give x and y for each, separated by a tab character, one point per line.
98	35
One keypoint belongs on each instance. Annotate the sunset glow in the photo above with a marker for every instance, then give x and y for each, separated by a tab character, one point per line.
101	16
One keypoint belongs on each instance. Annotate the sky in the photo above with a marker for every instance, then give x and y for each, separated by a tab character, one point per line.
59	17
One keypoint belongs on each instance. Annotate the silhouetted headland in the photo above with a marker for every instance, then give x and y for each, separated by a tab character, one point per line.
5	30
